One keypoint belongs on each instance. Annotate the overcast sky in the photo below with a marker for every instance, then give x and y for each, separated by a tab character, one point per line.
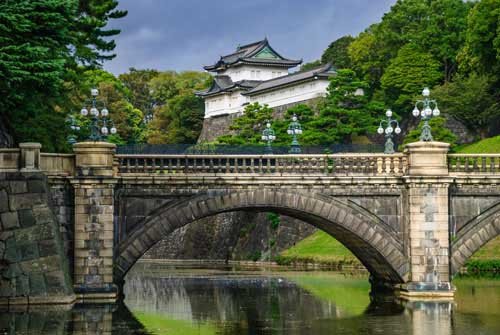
187	34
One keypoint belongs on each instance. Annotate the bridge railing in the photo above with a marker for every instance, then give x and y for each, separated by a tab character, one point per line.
474	163
334	164
57	164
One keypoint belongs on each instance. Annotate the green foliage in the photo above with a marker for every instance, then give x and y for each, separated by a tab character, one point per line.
471	100
249	126
255	256
34	36
178	115
337	53
92	43
310	65
407	74
138	84
42	44
127	118
344	113
439	132
482	48
477	267
274	220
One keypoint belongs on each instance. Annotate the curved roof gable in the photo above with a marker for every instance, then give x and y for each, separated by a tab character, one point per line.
260	53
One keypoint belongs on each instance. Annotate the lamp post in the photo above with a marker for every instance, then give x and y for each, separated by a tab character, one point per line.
429	108
295	129
269	136
100	125
73	125
392	127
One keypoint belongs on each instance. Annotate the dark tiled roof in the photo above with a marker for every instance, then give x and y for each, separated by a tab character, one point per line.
223	83
246	53
323	71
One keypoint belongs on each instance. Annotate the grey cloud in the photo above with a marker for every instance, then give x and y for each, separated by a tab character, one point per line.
187	34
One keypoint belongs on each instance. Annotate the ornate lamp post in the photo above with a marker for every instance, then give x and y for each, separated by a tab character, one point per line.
100	125
269	136
392	127
73	125
295	129
429	108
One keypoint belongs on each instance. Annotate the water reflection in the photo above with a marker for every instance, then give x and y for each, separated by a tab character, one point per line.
232	302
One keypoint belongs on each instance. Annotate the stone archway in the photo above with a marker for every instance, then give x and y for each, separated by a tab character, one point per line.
371	240
474	234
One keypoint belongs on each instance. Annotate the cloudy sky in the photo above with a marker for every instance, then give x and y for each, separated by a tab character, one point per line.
187	34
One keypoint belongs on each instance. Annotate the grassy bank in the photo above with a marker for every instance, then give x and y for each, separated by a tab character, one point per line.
487	146
319	248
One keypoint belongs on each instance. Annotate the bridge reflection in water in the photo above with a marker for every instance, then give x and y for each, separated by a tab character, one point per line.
229	302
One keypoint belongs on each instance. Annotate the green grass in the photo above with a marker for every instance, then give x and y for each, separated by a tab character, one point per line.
320	248
489	251
488	145
163	325
349	294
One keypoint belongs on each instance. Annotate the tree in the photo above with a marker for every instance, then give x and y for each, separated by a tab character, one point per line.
481	52
345	112
409	72
310	65
34	51
471	100
337	53
178	121
92	43
249	126
367	56
178	113
138	84
126	117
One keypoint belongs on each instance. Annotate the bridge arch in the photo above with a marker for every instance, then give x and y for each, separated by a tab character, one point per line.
473	235
370	239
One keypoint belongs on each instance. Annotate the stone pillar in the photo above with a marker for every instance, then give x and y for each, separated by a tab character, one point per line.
30	156
429	242
94	231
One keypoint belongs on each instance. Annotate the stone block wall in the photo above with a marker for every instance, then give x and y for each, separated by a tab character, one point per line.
62	204
33	265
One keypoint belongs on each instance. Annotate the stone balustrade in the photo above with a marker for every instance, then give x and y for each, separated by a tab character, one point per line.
333	164
474	163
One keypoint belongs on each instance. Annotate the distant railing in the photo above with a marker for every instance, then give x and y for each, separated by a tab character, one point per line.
224	149
335	164
474	163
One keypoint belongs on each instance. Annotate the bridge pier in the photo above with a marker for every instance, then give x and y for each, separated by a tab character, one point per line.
94	234
428	229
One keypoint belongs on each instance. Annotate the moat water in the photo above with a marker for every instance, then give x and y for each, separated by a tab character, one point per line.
161	299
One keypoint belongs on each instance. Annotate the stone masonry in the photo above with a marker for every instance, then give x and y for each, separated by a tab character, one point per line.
33	266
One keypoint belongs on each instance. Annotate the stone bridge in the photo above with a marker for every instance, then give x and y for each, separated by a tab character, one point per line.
413	219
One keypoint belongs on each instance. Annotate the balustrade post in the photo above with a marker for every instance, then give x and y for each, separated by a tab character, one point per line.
94	229
30	156
428	242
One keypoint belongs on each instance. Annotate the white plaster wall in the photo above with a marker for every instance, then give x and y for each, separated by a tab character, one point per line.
247	72
234	102
291	94
225	104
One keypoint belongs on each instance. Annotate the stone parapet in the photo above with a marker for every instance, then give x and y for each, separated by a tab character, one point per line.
94	159
428	158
